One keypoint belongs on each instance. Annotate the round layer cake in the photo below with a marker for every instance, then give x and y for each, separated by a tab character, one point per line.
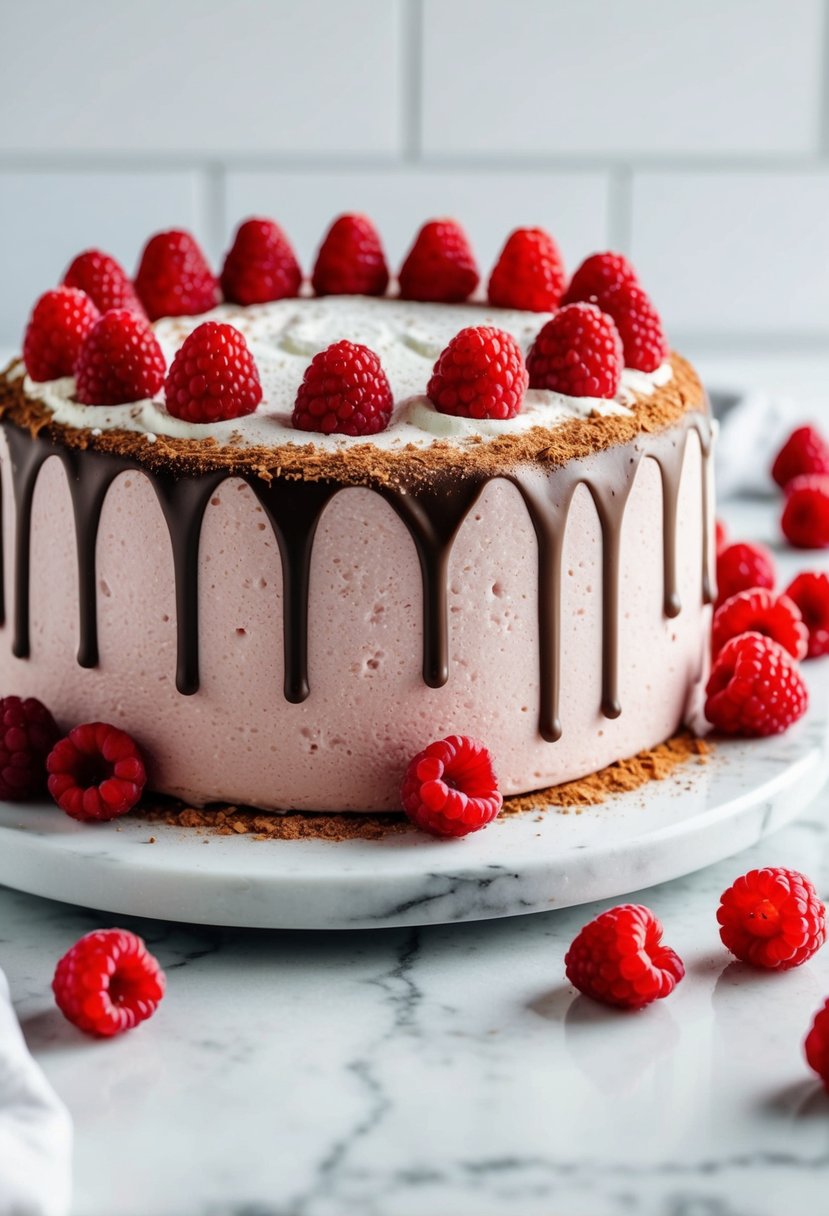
284	619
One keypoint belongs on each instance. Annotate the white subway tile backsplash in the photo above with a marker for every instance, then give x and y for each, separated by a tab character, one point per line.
46	218
572	206
202	76
735	253
603	77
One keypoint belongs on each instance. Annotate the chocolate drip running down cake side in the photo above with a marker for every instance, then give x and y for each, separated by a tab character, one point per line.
283	618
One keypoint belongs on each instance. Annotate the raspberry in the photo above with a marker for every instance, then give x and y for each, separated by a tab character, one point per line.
120	361
805	520
619	959
529	272
480	374
213	376
772	918
60	321
810	591
108	983
174	279
450	788
260	265
440	265
758	611
96	772
721	536
805	451
351	261
755	688
741	567
639	326
596	274
578	353
816	1046
27	735
104	280
344	391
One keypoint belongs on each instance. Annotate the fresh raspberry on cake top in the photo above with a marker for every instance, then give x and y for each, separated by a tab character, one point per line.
755	688
578	353
173	278
596	274
351	261
805	519
27	734
60	321
643	339
529	273
213	376
772	918
108	983
759	611
450	788
440	265
344	391
120	361
260	265
805	451
104	280
810	591
619	959
480	374
742	566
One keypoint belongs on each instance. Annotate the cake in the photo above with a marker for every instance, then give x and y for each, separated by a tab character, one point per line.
282	619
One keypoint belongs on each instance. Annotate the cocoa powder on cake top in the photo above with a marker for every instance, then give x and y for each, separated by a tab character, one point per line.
365	464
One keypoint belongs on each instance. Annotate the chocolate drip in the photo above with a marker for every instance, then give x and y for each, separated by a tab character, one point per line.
433	511
433	514
294	509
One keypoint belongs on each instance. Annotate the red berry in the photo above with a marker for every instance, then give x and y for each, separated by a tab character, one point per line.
721	536
596	274
450	788
104	280
60	321
260	265
817	1045
351	261
480	374
758	611
96	772
810	591
619	959
805	451
120	361
772	918
529	272
27	735
805	520
741	567
755	688
108	983
440	265
174	279
639	326
344	391
578	353
213	376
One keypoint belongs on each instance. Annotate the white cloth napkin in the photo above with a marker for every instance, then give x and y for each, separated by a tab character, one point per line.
35	1131
753	427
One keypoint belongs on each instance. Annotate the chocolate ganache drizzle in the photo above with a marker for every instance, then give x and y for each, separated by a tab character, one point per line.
432	509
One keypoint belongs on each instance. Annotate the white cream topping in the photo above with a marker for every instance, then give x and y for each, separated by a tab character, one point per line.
285	335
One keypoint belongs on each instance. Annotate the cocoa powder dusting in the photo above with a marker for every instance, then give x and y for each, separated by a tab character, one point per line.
653	764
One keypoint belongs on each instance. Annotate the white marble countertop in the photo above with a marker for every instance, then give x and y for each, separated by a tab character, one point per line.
447	1070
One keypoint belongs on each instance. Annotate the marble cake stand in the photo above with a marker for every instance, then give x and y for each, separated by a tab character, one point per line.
525	863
